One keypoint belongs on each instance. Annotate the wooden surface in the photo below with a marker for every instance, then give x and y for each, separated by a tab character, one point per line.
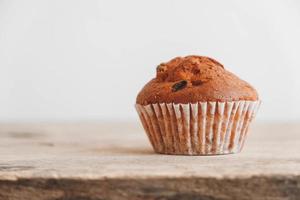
115	161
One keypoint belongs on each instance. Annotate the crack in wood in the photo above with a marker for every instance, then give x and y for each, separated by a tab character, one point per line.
24	135
11	168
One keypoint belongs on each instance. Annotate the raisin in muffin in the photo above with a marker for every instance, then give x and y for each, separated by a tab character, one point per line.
194	106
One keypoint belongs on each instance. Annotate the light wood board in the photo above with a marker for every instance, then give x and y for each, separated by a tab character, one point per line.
75	155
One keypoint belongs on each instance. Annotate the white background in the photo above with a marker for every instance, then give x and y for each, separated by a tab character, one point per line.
87	60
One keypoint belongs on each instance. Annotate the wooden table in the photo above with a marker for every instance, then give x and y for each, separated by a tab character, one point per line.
91	161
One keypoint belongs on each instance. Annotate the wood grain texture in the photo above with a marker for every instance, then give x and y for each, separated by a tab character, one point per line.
115	161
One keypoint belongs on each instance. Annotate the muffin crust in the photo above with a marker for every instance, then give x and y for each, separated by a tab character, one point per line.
194	79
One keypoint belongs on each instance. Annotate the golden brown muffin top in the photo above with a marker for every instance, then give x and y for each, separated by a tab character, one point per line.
193	79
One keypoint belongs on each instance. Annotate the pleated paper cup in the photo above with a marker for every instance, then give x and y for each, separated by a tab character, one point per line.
204	128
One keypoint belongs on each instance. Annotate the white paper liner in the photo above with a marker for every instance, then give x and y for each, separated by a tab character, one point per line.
204	128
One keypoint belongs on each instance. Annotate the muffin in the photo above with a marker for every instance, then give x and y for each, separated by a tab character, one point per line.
194	106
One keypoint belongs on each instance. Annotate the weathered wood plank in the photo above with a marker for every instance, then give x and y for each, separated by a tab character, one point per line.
115	161
269	188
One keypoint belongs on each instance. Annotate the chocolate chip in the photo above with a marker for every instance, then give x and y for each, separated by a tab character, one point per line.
197	82
178	86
